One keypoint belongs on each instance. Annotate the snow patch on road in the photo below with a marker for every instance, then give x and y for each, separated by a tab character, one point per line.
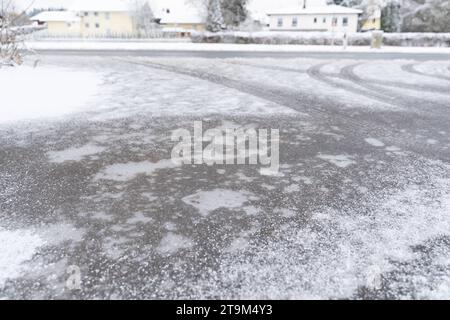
74	154
127	171
374	142
171	243
341	161
18	247
208	201
333	255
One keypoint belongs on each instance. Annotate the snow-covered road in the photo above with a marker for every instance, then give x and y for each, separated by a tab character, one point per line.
360	208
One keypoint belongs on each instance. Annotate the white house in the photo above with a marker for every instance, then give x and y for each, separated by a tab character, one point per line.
315	15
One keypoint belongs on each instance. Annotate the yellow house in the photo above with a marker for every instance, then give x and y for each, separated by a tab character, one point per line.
372	18
117	18
104	17
93	18
59	23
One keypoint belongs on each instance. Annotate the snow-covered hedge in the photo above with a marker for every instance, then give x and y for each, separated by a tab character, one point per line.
323	38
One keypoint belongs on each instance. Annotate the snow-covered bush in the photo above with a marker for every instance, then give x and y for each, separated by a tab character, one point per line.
324	38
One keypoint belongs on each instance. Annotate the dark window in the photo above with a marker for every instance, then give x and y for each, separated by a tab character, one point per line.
280	22
345	21
295	22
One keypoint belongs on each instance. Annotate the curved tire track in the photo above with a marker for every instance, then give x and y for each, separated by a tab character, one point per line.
411	69
403	101
369	124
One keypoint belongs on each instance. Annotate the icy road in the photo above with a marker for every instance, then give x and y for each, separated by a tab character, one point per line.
92	208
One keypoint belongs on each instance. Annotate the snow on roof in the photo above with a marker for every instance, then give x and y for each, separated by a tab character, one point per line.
332	9
47	16
184	18
179	15
101	5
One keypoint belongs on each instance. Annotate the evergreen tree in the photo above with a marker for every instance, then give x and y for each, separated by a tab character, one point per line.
234	12
390	17
215	21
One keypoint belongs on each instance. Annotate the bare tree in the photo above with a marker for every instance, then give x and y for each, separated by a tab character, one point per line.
11	33
9	51
143	17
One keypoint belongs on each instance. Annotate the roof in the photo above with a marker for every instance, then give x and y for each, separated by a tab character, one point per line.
332	9
101	5
46	16
176	15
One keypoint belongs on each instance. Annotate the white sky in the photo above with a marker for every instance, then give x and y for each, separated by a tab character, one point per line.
255	5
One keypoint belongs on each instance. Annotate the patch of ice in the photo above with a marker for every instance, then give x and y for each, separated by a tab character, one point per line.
74	154
208	201
341	161
127	171
172	242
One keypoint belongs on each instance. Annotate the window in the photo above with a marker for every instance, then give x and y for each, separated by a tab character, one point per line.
69	24
315	20
280	22
96	14
97	25
86	14
295	22
87	25
334	21
107	15
324	20
345	22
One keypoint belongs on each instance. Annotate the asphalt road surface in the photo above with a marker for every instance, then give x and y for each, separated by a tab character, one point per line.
360	207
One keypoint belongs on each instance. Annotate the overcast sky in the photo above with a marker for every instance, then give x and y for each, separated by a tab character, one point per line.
255	5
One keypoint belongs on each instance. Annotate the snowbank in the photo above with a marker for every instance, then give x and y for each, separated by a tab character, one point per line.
43	92
323	38
221	47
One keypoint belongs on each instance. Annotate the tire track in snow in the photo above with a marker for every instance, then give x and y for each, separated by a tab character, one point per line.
401	100
411	69
373	125
315	73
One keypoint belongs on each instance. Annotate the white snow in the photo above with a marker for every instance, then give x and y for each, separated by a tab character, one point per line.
208	201
374	142
74	154
182	46
172	242
128	171
18	247
341	161
335	254
44	92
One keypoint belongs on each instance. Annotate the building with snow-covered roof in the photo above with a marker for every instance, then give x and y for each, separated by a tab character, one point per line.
104	17
314	15
58	22
187	18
